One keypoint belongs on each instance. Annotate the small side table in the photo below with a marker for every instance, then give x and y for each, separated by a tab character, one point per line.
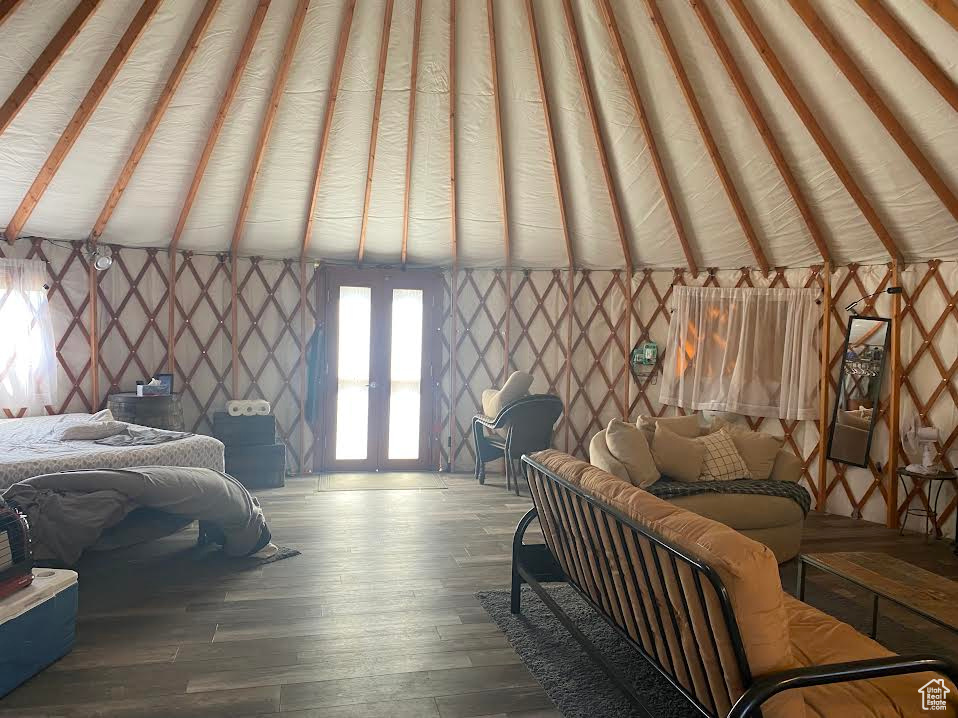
942	477
158	412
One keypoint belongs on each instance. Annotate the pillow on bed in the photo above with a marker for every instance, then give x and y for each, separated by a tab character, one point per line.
91	431
105	415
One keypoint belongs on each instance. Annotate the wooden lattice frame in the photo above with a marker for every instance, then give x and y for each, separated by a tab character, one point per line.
538	308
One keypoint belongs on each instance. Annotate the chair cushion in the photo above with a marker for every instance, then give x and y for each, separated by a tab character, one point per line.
628	444
722	461
757	448
516	387
677	457
490	402
747	569
817	639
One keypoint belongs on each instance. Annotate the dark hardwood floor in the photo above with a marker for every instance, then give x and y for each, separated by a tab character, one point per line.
377	618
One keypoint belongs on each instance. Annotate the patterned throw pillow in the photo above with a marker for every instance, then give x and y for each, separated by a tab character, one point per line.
722	460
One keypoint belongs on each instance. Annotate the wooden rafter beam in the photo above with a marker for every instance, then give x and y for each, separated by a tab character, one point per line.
6	9
333	95
626	67
374	134
410	128
833	46
911	49
503	189
256	22
80	117
159	109
710	145
758	118
453	194
948	9
45	61
597	133
266	127
550	132
453	238
810	121
500	154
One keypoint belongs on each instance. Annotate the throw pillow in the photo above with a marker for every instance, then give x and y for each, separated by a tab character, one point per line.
788	467
722	461
629	445
758	449
677	457
601	457
687	426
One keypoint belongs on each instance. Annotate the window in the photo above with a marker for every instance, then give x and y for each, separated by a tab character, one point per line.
746	351
28	363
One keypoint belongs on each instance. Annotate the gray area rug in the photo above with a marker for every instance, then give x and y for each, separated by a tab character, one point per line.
580	689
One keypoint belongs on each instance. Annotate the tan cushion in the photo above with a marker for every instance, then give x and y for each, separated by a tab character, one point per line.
748	571
600	456
817	639
629	445
788	467
687	426
722	461
490	405
516	387
743	511
757	448
494	400
676	456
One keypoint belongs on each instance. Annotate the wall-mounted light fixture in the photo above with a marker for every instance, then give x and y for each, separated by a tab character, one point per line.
851	308
101	256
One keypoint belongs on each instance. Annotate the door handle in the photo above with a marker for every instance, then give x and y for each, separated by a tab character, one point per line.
372	385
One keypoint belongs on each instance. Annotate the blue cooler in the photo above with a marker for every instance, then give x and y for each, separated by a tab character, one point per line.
37	626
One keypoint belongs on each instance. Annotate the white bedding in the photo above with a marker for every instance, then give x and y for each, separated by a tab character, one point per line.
32	446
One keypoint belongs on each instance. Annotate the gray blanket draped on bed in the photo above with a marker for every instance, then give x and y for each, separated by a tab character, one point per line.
68	511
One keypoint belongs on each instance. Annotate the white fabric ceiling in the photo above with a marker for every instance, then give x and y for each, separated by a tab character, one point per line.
148	210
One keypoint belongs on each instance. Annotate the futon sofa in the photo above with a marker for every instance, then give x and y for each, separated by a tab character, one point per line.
771	513
704	605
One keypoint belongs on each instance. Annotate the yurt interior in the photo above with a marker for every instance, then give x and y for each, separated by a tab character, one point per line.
478	358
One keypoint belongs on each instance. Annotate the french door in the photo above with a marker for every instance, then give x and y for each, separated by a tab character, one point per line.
381	330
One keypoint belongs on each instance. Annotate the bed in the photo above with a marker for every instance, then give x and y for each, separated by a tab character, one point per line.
32	446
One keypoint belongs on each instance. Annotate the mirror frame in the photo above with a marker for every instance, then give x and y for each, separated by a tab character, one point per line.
841	375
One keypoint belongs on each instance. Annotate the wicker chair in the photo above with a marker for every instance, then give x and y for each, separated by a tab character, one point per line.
520	428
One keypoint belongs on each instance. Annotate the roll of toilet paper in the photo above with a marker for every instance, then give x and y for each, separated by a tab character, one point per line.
235	408
261	407
249	408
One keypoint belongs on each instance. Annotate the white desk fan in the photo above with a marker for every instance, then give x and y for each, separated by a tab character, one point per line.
914	436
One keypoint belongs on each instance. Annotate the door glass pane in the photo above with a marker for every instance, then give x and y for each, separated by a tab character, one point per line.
352	384
405	374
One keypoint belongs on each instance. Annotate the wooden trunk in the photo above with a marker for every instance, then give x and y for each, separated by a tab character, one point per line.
257	467
244	430
159	412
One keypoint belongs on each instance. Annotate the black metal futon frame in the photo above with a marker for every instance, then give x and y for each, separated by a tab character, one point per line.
610	560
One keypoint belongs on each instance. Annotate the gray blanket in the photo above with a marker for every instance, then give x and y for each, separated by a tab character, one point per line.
68	511
666	489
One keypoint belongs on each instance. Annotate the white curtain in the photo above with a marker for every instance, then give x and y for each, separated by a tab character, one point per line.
28	360
745	351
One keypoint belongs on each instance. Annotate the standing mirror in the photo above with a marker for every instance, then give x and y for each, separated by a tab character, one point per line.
859	390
